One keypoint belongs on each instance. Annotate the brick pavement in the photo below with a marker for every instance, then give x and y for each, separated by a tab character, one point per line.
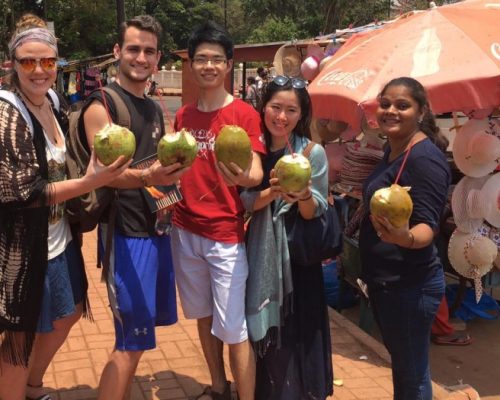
177	370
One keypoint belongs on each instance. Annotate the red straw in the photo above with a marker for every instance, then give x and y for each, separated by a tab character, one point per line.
104	101
290	147
165	109
403	164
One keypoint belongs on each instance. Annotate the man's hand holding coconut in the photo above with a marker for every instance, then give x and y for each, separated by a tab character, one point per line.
233	150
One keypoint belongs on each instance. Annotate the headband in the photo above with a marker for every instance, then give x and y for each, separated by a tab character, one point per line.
33	35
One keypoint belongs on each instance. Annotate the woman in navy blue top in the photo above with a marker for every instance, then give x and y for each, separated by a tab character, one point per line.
400	265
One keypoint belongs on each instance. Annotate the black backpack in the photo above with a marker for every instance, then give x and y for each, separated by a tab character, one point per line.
91	208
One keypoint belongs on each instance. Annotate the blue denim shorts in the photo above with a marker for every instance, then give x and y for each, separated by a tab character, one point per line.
63	288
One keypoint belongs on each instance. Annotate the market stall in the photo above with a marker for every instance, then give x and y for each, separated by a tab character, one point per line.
77	78
452	51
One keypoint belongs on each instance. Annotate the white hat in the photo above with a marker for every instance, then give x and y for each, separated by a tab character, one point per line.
485	202
472	256
478	113
494	235
461	215
476	149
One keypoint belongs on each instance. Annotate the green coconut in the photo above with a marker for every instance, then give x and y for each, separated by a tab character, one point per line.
114	141
293	172
393	203
178	147
233	145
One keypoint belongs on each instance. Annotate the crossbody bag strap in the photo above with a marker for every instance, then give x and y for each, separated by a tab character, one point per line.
307	151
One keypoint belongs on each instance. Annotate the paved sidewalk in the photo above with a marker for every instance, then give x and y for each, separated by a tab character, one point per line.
177	370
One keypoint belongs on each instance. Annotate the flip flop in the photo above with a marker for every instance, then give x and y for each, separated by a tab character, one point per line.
208	392
456	339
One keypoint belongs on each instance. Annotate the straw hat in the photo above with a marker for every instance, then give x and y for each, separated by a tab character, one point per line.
472	256
476	149
112	70
287	61
326	129
335	154
372	136
463	220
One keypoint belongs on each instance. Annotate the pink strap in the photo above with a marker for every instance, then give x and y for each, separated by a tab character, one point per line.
403	164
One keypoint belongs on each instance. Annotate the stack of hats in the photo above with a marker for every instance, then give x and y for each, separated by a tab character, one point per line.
358	163
474	246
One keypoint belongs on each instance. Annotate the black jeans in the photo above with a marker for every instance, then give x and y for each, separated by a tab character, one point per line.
405	316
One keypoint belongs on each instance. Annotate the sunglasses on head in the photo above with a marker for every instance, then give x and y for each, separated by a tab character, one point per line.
297	83
29	64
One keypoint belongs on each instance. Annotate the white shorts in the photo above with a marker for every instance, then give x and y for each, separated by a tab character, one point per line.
211	278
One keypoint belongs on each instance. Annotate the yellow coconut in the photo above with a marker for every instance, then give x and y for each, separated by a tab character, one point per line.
233	145
394	203
293	172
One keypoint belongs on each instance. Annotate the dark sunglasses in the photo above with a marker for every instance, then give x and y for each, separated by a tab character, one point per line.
297	83
29	64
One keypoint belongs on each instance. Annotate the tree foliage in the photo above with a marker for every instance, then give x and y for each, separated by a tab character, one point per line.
88	28
274	30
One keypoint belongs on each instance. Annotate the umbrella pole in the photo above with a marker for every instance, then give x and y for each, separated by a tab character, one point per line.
456	125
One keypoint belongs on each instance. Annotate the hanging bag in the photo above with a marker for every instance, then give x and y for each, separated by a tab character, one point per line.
311	241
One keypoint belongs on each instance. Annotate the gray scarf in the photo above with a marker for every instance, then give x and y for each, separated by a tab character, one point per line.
269	284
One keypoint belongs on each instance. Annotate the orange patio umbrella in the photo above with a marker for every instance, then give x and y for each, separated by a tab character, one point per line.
453	50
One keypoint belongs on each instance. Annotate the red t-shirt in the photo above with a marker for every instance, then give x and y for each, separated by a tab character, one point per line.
210	208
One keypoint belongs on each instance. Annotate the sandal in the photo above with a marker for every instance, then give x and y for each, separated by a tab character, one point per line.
455	339
226	395
42	397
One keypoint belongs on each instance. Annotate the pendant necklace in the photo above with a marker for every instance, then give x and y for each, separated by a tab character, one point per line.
38	106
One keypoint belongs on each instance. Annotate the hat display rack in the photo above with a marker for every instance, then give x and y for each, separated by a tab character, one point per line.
474	246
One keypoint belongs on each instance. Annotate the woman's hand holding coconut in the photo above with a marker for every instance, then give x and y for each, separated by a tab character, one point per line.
302	195
402	236
98	174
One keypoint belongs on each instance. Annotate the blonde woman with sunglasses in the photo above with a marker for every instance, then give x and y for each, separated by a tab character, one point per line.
42	279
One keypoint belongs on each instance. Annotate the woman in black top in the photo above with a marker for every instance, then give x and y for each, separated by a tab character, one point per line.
400	265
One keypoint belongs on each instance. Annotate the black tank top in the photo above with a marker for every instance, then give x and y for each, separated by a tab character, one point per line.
134	217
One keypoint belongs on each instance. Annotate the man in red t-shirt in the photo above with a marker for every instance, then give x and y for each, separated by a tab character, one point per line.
207	239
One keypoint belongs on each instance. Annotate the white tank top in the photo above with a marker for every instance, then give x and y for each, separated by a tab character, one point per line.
59	231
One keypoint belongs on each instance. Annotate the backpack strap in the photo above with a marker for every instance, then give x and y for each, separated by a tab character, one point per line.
123	119
307	151
122	112
16	102
54	99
